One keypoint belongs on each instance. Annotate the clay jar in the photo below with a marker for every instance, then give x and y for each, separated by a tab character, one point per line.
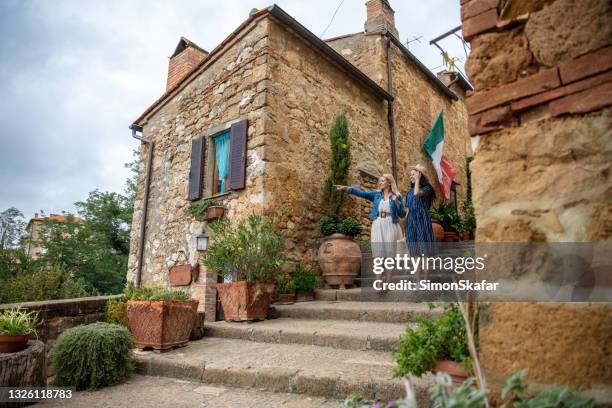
340	260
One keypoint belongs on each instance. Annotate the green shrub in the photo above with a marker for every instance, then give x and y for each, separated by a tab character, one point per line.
339	164
43	284
285	284
350	227
328	224
304	280
419	349
250	251
92	356
116	312
198	208
17	321
154	293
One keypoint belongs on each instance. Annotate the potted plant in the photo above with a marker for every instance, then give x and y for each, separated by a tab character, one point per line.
339	255
251	255
435	345
305	282
16	328
446	215
209	208
286	290
160	318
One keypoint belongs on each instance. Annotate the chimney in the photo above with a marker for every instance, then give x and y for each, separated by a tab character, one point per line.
186	57
380	16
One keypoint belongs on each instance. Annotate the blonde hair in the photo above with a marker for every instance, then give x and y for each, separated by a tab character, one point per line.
392	183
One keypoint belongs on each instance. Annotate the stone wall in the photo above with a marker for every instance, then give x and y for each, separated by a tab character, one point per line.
307	94
417	104
542	171
232	86
57	316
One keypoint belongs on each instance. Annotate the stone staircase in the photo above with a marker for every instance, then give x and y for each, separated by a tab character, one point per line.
331	347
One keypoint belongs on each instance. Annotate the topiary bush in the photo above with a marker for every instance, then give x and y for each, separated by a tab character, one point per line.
92	356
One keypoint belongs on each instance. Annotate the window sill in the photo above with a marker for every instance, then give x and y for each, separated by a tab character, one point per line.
218	196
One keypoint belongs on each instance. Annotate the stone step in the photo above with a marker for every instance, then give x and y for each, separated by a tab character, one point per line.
389	312
353	294
341	334
295	368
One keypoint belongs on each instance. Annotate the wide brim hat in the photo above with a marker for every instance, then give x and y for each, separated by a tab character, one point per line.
419	167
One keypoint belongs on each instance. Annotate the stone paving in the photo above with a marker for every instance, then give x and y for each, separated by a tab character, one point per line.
140	391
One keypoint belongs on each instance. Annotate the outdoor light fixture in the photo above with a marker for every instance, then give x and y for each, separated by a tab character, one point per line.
202	241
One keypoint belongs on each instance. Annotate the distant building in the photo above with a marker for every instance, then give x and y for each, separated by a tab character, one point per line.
34	230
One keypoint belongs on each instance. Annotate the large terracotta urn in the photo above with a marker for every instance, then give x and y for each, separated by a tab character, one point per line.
340	260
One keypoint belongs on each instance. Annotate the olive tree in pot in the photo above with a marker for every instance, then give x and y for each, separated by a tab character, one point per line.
251	254
160	318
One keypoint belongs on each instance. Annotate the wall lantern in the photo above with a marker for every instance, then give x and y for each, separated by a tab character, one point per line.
202	242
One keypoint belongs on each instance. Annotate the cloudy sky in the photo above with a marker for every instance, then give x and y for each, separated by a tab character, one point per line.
75	73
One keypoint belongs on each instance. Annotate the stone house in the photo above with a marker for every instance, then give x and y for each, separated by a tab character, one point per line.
34	229
248	123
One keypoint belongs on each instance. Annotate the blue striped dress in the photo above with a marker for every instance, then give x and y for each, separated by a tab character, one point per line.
419	234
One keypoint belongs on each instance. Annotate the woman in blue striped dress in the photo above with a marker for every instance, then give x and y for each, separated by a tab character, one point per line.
419	234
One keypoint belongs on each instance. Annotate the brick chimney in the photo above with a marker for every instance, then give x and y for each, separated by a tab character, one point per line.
186	57
380	16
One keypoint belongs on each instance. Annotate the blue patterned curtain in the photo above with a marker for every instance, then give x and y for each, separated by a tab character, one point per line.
222	157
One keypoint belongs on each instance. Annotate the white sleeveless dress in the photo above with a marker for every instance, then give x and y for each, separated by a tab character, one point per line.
385	233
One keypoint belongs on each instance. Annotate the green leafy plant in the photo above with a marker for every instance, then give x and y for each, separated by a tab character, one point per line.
553	397
356	401
158	293
250	251
285	284
447	216
17	321
420	348
92	356
198	208
339	163
332	224
305	280
366	246
116	312
443	395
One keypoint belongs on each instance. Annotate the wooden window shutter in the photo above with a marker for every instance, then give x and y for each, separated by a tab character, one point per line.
237	158
196	174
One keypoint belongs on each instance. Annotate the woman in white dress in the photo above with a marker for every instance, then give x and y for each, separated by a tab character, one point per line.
385	214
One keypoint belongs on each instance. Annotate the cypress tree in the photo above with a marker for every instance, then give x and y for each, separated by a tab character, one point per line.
339	164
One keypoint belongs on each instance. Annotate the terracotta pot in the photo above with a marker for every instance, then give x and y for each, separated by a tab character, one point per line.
452	368
438	230
286	298
340	260
451	237
214	211
305	296
12	343
162	325
245	301
465	236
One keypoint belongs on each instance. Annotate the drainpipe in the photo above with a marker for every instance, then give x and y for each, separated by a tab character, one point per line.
390	107
143	222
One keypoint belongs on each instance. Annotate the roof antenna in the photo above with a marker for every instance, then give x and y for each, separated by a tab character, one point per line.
414	38
332	19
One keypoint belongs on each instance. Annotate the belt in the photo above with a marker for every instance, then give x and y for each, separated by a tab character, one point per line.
384	214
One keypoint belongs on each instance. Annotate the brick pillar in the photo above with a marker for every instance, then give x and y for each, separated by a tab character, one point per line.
380	16
543	90
185	58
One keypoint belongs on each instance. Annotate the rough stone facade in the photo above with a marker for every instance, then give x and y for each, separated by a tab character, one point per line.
290	92
541	172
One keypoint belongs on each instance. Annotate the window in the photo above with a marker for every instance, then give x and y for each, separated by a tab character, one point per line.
218	161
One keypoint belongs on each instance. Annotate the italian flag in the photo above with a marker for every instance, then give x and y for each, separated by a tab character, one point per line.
434	147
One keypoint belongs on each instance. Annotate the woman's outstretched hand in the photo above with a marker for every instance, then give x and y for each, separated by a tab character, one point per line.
340	187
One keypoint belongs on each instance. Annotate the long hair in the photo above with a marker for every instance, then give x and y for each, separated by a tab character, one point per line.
425	182
392	183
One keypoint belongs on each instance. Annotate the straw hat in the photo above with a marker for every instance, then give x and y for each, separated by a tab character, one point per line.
419	167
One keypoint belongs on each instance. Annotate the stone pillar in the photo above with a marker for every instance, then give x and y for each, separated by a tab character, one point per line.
540	117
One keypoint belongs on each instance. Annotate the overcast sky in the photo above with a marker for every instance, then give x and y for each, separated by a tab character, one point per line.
75	74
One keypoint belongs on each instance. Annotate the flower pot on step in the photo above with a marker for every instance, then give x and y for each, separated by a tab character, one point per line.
340	260
438	230
452	368
161	325
286	298
12	343
305	296
451	237
245	301
214	211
